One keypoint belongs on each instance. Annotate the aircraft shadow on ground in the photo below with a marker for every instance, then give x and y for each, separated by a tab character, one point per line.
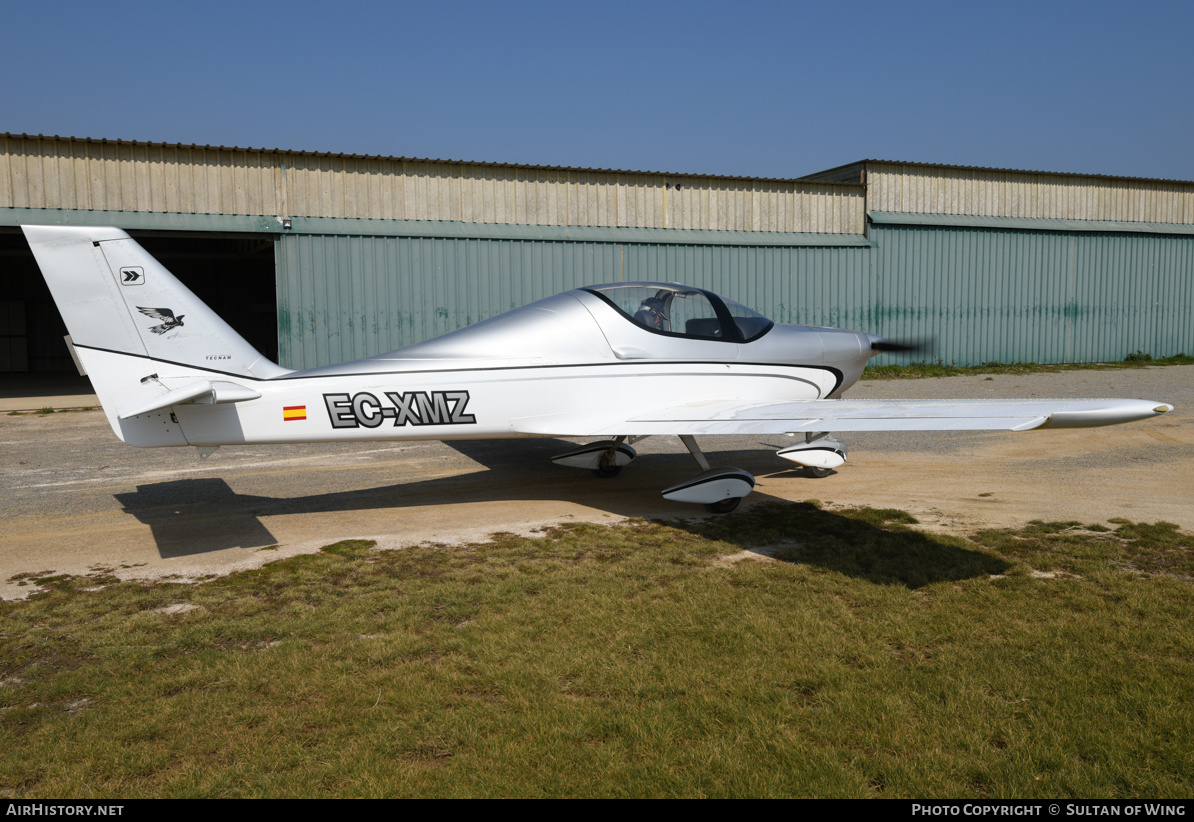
205	515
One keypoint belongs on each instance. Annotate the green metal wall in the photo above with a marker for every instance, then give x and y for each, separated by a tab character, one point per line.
982	294
345	297
811	286
1034	296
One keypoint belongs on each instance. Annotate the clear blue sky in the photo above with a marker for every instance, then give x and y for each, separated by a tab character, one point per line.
745	88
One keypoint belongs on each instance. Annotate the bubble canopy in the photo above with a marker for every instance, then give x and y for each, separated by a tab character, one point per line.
683	311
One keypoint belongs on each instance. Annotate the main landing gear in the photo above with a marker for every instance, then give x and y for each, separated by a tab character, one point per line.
720	490
605	459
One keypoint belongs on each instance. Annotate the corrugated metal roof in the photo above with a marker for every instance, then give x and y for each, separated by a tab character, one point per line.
860	163
332	154
102	175
1021	194
493	164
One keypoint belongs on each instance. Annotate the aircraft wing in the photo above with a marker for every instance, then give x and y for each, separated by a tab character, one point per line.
736	417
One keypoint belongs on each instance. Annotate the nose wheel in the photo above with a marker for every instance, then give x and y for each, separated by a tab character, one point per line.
818	455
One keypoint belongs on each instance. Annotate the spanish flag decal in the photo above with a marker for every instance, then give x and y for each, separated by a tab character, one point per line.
290	413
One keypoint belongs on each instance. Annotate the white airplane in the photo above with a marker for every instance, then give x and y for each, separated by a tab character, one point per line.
617	362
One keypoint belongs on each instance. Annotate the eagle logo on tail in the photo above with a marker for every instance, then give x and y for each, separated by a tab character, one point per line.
169	321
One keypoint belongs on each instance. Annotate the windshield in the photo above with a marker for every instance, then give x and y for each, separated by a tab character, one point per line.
680	311
751	324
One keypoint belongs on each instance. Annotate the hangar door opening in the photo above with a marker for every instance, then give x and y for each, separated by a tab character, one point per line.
232	273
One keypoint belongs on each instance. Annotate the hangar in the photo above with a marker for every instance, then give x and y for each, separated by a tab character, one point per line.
319	258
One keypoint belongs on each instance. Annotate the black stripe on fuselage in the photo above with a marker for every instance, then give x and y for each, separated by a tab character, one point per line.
300	375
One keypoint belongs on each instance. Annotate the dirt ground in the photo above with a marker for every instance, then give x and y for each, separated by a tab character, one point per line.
76	500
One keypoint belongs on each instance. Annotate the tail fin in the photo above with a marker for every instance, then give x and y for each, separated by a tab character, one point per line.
115	297
145	340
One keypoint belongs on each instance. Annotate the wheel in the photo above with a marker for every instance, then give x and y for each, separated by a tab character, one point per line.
607	470
723	507
816	473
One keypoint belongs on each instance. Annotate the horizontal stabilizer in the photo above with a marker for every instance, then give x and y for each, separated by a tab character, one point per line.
200	391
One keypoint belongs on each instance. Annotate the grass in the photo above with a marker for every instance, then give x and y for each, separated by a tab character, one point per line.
939	369
870	659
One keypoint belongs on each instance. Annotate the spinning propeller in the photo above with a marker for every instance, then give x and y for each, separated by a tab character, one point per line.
881	345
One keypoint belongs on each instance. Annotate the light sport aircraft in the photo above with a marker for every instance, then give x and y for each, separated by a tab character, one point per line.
616	362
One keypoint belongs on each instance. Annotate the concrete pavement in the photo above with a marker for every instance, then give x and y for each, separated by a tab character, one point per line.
76	499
